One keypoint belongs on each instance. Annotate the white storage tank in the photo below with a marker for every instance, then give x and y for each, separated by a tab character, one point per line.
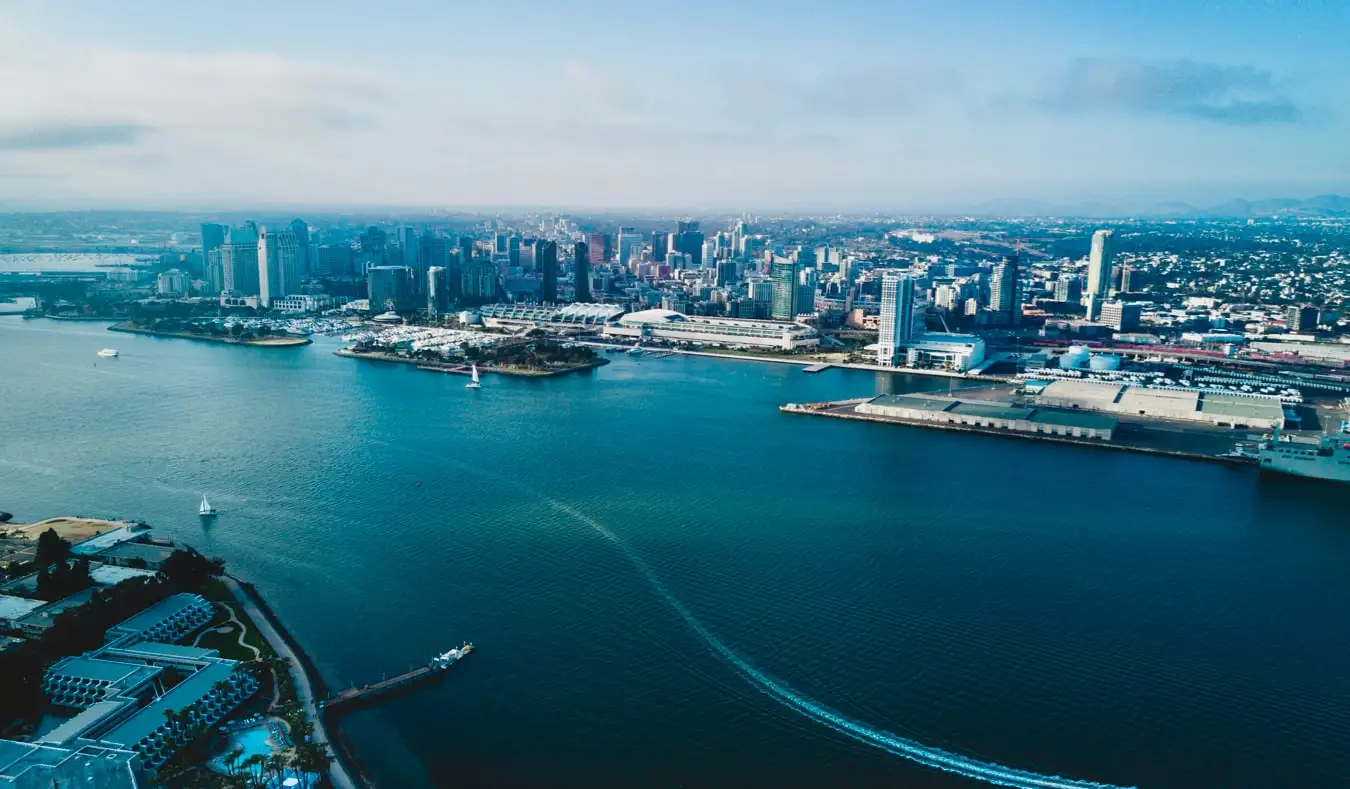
1104	362
1075	358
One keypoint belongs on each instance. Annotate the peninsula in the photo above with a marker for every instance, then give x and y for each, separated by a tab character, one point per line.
210	333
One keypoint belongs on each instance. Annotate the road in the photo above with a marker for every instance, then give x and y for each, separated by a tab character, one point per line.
337	772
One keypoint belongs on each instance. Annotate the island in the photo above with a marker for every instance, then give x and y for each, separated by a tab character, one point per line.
453	351
213	331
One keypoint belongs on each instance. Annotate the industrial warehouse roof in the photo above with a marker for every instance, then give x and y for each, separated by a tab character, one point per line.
1087	391
998	410
1242	406
17	607
1081	419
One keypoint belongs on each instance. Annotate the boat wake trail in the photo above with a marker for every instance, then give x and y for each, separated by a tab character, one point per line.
914	751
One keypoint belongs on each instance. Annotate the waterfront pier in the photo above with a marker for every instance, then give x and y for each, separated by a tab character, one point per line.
432	671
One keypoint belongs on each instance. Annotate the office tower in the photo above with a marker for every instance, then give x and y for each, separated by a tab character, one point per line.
408	248
660	245
465	250
301	232
1122	316
726	272
608	252
389	288
1099	264
525	258
783	274
806	291
513	251
546	255
1069	288
333	260
479	281
278	265
806	258
500	245
213	275
239	268
688	240
1301	318
630	245
897	318
711	251
1126	275
595	243
1005	290
433	251
172	284
213	236
581	272
438	291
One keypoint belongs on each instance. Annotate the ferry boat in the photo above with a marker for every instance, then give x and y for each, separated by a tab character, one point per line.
445	660
1324	457
206	510
108	353
474	384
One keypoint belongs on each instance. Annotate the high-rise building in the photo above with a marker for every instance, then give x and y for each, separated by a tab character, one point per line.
525	258
581	272
1099	264
278	265
465	250
783	274
660	245
896	327
1069	288
408	247
213	236
390	288
239	267
301	231
806	291
688	240
333	260
1301	318
1005	290
595	243
172	284
630	246
438	291
478	282
1126	277
433	251
546	255
726	272
1122	316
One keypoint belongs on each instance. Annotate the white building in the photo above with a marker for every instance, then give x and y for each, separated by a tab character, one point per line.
936	350
675	327
1099	265
897	317
172	283
278	265
307	303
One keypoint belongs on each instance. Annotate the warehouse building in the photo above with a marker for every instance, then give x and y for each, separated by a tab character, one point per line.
991	415
1228	409
672	326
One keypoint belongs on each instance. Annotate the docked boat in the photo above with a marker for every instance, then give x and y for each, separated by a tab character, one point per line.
1324	457
206	510
445	660
108	353
474	384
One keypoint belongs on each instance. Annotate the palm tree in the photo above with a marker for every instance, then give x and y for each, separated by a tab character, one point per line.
231	760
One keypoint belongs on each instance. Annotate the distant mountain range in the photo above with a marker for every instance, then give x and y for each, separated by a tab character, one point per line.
1321	205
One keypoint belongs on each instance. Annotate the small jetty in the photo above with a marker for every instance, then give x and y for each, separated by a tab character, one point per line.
815	368
365	694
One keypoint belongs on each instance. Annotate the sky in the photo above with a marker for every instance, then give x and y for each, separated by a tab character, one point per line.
840	105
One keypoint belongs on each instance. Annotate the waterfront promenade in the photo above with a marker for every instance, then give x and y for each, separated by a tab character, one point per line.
304	684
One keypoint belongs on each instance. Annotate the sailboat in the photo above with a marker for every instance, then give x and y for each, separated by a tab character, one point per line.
206	510
474	383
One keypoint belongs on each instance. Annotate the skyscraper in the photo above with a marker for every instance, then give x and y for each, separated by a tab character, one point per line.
897	318
546	257
688	240
213	236
407	244
806	291
1069	288
438	291
389	288
630	245
595	242
1099	264
1126	277
660	245
783	275
1005	290
433	251
278	265
301	231
581	272
239	267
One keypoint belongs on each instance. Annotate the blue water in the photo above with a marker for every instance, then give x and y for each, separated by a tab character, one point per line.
253	742
673	584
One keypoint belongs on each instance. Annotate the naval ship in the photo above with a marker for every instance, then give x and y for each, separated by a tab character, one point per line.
1324	457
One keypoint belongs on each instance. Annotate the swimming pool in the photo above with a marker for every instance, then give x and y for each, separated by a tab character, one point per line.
253	740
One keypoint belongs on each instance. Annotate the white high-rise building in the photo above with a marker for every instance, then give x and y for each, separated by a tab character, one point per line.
278	265
1099	264
897	318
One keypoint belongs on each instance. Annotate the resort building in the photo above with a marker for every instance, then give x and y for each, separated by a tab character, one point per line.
669	326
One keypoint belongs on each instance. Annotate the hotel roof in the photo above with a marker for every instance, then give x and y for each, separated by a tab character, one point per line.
185	693
17	607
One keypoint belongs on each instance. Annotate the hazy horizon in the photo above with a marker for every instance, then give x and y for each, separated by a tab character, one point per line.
923	108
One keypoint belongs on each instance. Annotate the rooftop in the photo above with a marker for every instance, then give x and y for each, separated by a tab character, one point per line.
185	693
17	607
110	671
106	540
111	574
155	614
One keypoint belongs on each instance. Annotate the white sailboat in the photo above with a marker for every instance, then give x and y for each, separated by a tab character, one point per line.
206	510
474	383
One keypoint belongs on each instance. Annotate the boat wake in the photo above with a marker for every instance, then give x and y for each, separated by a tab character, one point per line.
914	751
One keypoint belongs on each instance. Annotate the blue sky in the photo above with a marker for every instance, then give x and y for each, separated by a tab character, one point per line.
846	104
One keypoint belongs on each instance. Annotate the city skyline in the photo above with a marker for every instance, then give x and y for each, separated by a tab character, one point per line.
919	108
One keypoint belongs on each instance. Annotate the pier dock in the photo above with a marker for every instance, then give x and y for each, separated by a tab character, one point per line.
430	672
815	368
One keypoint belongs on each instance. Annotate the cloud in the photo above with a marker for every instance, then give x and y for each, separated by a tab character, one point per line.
872	92
1237	95
69	134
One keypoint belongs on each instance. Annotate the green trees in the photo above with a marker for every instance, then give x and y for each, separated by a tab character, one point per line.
189	571
51	548
236	329
63	579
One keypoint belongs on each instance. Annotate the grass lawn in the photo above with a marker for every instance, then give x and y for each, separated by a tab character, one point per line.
227	644
216	592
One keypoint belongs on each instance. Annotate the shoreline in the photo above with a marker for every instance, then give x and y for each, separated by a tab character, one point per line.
283	341
1000	433
463	368
347	771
